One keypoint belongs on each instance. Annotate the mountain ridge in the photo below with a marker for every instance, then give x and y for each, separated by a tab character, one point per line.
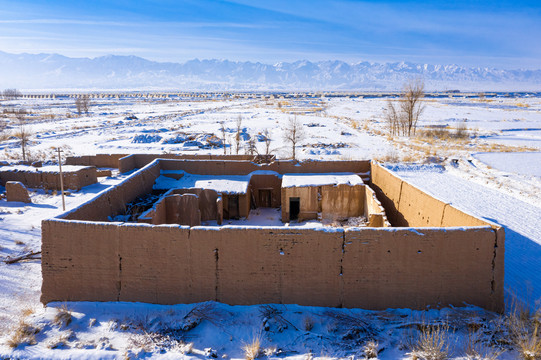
54	71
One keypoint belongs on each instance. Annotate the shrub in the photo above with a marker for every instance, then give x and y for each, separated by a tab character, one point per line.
252	350
431	343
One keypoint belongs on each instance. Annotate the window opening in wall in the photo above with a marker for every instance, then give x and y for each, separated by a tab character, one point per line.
294	208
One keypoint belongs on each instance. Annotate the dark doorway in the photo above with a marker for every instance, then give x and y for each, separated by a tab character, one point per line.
265	198
294	208
233	206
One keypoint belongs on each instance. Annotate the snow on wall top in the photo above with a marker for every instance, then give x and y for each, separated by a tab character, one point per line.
227	184
43	169
303	180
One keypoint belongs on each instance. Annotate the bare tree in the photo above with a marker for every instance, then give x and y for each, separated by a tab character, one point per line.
86	103
411	105
392	118
222	129
293	134
239	129
23	133
402	118
79	105
250	147
268	141
82	104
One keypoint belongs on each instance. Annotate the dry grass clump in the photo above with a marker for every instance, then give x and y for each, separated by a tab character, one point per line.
525	330
475	349
370	349
252	350
63	317
431	342
24	334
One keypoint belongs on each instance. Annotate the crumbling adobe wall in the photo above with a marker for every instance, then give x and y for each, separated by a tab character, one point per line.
133	161
405	205
98	160
373	210
50	180
415	267
113	201
223	167
367	268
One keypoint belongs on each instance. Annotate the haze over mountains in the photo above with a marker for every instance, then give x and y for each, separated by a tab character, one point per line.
53	71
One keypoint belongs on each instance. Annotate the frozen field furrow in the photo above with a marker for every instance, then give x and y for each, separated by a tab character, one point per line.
520	220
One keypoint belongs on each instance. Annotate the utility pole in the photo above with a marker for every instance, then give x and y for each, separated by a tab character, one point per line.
61	178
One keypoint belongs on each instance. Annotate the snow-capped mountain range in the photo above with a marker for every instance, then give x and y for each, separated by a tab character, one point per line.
53	71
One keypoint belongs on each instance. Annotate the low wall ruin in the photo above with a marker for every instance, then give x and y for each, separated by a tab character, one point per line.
441	256
50	179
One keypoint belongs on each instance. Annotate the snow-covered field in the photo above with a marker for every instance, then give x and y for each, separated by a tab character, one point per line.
497	176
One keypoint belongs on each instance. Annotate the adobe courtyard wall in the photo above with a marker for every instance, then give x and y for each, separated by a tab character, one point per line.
98	160
366	268
224	167
406	205
419	264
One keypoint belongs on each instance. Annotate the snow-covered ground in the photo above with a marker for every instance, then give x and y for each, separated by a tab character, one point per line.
497	177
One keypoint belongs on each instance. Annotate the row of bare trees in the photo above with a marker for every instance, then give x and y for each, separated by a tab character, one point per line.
292	134
11	94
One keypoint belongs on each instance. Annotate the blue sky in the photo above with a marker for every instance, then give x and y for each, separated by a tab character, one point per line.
504	34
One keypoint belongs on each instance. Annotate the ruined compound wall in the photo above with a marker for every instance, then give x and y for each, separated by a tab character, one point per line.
367	268
98	160
223	167
50	180
133	161
415	267
208	199
112	201
405	205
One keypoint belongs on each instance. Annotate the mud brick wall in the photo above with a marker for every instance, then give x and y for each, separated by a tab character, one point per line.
372	268
366	268
405	205
112	201
98	160
50	180
133	161
222	167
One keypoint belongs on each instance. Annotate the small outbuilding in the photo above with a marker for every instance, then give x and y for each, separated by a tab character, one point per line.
322	196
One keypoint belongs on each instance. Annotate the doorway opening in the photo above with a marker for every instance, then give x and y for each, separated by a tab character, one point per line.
294	208
265	198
